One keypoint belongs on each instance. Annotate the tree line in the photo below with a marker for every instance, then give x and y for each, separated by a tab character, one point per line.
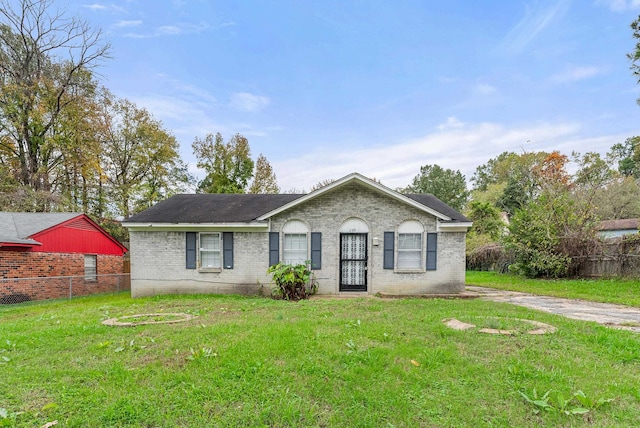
528	204
68	144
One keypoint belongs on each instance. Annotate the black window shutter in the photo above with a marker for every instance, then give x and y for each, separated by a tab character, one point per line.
192	238
388	250
432	250
316	250
274	247
227	250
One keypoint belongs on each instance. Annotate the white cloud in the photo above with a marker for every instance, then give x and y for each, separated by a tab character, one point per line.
104	7
621	5
171	30
484	89
244	101
122	24
574	73
95	6
451	123
534	22
461	148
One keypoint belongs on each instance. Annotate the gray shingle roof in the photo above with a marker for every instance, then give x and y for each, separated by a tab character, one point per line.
436	204
621	224
243	208
18	227
211	208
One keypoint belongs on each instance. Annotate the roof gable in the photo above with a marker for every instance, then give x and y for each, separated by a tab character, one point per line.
79	234
50	232
424	202
18	228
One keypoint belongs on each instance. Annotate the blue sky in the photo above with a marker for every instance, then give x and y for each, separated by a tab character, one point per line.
327	88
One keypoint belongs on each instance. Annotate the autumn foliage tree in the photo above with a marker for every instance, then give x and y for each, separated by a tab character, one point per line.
45	61
139	159
264	178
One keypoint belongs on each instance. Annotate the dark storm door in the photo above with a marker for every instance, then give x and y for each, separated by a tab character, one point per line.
353	262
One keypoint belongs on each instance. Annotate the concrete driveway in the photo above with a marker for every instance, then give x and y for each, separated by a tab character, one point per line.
615	316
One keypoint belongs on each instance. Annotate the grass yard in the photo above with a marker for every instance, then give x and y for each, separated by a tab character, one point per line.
362	362
621	291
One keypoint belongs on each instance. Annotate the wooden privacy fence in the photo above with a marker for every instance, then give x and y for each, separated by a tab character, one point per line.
613	258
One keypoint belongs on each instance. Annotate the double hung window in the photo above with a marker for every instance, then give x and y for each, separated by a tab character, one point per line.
295	248
410	245
210	250
409	250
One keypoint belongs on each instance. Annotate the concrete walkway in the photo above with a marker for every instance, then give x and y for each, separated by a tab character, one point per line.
615	316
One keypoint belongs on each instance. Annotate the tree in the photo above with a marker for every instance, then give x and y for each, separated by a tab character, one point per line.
551	171
77	172
264	179
447	185
321	184
627	155
634	56
516	195
229	166
593	171
553	234
495	171
44	56
141	162
508	180
486	220
618	200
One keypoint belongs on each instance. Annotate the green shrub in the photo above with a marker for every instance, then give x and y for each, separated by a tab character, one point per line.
293	282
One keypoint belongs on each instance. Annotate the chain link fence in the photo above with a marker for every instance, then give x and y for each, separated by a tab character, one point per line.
18	290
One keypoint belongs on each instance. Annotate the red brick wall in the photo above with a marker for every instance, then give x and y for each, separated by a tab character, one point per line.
40	267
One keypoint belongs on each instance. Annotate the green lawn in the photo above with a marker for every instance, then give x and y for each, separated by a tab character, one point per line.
363	362
622	291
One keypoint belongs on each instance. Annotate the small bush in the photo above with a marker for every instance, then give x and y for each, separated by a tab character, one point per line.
293	282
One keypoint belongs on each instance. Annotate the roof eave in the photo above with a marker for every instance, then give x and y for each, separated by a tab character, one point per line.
20	244
363	180
227	227
454	227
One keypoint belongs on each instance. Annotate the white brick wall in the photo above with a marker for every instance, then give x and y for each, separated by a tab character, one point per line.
158	257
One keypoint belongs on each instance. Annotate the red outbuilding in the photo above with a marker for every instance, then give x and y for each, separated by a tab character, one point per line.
52	255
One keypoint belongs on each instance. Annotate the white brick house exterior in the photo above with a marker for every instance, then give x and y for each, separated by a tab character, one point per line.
360	236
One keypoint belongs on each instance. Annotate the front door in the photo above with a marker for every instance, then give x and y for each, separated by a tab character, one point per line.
353	262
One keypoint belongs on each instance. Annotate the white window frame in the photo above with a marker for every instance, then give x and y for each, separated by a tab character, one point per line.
411	258
296	253
295	242
211	251
91	268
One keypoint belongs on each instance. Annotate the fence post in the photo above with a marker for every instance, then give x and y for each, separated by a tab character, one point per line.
70	287
118	286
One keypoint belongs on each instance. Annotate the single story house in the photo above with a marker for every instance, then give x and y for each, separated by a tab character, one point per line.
617	228
34	246
359	236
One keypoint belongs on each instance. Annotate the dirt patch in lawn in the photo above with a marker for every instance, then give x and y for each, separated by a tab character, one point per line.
145	319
